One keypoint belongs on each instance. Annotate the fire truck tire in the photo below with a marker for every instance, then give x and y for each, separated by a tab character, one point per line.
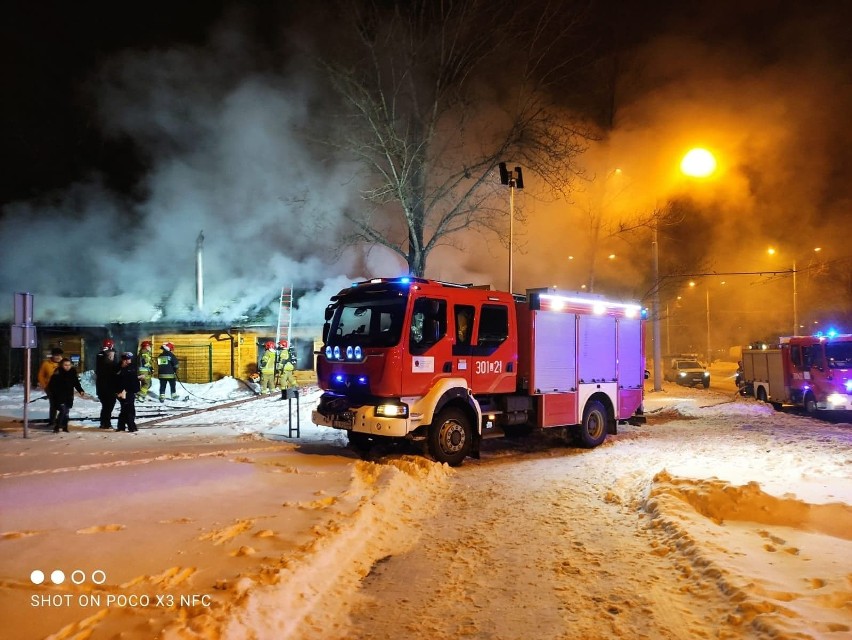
810	404
592	430
450	437
761	394
359	442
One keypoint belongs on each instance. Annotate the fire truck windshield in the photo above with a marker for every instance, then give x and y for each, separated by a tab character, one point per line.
368	321
839	355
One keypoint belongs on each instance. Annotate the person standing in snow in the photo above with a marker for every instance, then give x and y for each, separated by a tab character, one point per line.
126	386
167	370
45	372
286	366
106	366
145	362
61	389
267	368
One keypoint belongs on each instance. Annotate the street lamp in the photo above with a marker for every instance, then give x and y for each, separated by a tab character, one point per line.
771	251
707	311
697	163
515	180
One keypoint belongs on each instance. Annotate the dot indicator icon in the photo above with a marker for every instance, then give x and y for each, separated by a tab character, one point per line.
57	577
37	577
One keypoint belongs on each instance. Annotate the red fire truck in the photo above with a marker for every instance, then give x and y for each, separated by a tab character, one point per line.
448	365
811	372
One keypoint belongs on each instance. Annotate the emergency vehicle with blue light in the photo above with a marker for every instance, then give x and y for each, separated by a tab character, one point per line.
447	365
810	372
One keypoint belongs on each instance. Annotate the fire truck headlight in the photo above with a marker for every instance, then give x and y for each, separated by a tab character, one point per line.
681	374
849	386
392	410
349	352
328	353
837	399
337	353
706	374
358	353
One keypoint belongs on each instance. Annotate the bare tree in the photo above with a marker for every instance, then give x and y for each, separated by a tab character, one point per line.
436	94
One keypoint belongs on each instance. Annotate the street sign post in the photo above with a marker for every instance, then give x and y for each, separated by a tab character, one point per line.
24	337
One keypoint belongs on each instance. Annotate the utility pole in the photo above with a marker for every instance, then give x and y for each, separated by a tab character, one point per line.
795	303
658	356
709	351
515	180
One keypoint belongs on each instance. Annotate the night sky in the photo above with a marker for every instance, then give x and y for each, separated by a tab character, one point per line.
139	124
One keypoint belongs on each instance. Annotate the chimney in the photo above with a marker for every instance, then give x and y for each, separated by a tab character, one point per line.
199	270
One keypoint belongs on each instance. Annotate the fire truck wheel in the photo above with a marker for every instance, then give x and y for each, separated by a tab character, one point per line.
761	394
810	404
593	428
450	437
359	442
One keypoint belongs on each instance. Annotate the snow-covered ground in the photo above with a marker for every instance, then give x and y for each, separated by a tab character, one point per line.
719	518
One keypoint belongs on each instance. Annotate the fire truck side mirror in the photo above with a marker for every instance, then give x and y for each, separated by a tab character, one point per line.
329	312
325	329
647	374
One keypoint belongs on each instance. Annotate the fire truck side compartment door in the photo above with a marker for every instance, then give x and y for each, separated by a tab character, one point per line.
630	367
554	366
630	370
596	349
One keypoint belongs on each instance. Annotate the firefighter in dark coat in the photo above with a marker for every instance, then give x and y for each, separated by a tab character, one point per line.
61	389
106	366
167	370
126	387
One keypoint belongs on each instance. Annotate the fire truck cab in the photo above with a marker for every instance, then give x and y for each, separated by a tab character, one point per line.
448	364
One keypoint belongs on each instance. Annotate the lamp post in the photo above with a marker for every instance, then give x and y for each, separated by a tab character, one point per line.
515	180
771	251
697	163
658	356
707	312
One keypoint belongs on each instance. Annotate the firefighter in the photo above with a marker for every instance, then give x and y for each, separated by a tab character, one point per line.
267	368
167	370
146	369
286	366
126	386
106	366
45	372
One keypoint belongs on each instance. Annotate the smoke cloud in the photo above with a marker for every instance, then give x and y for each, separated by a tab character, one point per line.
221	131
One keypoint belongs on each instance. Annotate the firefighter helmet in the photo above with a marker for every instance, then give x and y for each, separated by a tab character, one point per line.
282	344
269	344
127	356
108	344
168	346
146	344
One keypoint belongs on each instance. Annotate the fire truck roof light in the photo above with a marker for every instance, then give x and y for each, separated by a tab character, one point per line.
634	308
405	280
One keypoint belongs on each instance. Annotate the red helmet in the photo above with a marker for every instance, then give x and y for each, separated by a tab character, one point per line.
146	344
168	346
282	344
108	344
269	344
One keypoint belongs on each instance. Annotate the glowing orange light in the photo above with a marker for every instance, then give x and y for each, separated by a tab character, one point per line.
698	163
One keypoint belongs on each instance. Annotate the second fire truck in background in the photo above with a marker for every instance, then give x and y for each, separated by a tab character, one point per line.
810	372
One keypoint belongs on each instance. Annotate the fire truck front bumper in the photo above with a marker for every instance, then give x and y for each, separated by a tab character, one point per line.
837	402
374	420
